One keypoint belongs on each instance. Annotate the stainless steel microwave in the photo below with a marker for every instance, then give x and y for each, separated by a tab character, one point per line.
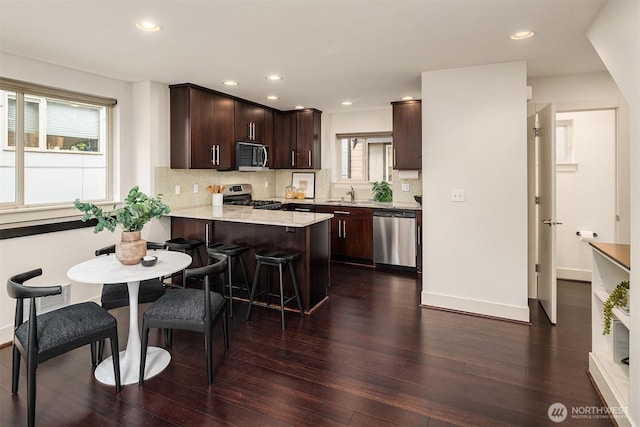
251	156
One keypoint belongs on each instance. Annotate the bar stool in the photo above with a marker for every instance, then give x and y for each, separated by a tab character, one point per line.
232	252
275	259
180	244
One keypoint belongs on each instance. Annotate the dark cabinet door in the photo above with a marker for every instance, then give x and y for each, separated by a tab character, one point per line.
201	129
407	135
308	152
223	133
253	123
351	233
357	234
284	140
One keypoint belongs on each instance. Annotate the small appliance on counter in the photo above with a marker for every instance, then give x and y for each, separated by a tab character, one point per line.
241	195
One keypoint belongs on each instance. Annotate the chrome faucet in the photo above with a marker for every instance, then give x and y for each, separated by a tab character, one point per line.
352	194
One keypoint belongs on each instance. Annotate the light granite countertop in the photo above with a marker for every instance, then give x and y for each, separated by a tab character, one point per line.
357	204
249	215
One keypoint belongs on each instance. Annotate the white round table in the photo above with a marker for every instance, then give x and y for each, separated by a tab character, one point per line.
107	269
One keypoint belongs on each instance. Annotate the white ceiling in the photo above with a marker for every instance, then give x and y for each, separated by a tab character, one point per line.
367	52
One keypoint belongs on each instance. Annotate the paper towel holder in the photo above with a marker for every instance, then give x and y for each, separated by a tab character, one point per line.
594	234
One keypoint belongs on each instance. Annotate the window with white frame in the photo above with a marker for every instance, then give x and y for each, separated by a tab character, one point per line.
564	141
365	157
54	146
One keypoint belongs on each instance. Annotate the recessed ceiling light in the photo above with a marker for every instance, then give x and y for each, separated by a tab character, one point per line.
272	97
274	77
230	83
407	98
148	26
299	107
522	35
347	103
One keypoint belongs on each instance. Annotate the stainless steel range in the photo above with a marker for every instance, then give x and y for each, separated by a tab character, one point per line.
241	195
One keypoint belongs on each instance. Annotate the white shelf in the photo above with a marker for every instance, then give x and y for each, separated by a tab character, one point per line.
617	375
608	373
623	317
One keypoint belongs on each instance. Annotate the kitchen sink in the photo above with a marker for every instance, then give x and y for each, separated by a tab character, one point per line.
347	202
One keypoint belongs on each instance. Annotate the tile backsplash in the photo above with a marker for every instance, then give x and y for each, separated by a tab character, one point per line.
265	185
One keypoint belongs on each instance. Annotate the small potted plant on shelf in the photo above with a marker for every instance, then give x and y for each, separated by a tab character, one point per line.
382	192
138	209
619	297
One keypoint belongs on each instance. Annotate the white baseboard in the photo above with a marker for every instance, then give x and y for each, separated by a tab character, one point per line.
573	274
484	308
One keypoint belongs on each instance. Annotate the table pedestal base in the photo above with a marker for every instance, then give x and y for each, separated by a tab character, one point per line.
157	359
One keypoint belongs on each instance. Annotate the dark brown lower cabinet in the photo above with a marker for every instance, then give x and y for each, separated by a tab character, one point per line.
351	233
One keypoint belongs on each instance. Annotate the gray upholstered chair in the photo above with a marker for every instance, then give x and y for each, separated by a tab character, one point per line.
190	309
51	334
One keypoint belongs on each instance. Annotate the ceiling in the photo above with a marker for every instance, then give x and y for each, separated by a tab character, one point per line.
366	52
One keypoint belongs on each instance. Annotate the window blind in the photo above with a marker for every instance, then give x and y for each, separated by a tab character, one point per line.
72	120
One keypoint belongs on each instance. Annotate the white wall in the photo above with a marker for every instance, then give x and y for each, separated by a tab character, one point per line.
615	34
56	252
586	195
474	138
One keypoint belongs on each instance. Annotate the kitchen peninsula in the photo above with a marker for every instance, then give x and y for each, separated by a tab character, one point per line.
307	233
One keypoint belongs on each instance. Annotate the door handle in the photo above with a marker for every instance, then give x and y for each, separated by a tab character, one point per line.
550	222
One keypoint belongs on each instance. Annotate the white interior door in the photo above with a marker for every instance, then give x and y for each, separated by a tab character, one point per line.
532	222
547	221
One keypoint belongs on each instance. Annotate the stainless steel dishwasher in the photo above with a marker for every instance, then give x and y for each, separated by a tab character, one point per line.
394	237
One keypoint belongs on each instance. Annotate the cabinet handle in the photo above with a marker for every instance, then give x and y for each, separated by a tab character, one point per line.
213	154
309	158
206	235
339	228
342	212
253	131
302	209
395	158
293	158
218	155
344	229
419	237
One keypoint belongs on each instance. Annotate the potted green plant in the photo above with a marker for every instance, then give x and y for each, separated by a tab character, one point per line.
619	297
138	209
382	191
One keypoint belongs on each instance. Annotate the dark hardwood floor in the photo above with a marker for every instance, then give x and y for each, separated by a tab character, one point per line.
370	356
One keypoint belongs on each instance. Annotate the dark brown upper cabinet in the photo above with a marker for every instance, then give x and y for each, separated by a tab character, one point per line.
201	128
205	124
297	139
407	135
253	123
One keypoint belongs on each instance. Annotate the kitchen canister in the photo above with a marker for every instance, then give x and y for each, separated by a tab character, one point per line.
216	199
